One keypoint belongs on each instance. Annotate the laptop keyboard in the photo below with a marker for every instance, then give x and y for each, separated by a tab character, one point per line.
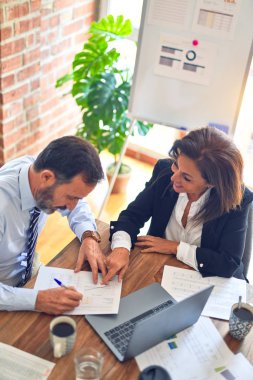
120	335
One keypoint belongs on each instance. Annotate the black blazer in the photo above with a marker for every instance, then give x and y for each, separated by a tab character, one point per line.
222	241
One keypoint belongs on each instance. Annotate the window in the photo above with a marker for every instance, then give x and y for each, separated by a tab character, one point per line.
129	9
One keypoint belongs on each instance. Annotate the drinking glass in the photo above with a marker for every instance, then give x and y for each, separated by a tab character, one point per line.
88	364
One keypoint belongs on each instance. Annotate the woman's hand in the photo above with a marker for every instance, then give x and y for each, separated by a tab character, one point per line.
117	263
153	244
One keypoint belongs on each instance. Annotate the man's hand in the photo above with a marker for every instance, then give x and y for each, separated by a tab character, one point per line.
117	263
91	251
58	300
151	244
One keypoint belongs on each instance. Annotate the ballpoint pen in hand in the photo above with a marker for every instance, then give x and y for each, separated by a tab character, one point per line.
60	283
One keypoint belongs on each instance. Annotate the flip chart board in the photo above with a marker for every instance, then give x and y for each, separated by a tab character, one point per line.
193	58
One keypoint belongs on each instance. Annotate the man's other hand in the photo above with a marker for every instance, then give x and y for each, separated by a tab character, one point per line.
90	250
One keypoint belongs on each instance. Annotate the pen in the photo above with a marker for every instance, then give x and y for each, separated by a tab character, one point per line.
60	283
64	286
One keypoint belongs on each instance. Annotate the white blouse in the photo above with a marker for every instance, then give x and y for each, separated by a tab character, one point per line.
189	238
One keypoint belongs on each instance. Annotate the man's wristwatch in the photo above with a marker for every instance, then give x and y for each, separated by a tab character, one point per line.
92	234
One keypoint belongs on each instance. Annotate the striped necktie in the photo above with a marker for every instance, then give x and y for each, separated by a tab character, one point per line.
30	247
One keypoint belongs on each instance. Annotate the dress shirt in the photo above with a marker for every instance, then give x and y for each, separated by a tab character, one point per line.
189	237
16	200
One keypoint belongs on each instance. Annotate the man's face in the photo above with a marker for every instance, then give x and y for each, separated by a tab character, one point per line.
62	196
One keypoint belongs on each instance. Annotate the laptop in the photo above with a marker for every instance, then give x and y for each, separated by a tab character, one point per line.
147	317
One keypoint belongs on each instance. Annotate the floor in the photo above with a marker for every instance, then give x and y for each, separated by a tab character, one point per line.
57	234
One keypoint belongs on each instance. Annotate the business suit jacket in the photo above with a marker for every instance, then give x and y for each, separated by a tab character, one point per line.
222	241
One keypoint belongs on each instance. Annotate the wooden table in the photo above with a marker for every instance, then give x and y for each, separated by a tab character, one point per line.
29	331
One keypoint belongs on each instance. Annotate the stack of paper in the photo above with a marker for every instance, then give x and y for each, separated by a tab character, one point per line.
17	364
182	283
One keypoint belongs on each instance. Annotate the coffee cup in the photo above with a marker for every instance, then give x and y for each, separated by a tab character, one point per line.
62	335
241	320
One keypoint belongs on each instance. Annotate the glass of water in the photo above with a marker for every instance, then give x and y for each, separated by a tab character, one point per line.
88	364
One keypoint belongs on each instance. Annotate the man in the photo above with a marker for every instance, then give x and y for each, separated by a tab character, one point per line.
66	171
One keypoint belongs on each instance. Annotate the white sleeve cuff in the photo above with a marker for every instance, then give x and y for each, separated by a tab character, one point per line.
81	228
121	239
187	254
12	298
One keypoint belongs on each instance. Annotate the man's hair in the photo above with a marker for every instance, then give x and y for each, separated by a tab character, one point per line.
220	164
68	157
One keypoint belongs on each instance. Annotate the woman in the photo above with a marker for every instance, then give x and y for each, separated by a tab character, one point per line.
198	207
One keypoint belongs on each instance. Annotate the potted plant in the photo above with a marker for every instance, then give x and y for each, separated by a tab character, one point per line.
102	88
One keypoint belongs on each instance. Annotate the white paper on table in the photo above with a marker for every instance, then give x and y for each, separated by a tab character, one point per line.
97	299
192	354
182	283
17	364
238	368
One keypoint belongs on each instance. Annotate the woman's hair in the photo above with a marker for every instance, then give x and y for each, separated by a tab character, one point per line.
220	164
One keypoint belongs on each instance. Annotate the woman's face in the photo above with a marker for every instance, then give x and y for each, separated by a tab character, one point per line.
187	177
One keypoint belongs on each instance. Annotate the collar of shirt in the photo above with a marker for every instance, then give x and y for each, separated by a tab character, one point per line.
27	199
195	206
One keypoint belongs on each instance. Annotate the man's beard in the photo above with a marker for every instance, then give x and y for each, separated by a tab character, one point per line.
44	199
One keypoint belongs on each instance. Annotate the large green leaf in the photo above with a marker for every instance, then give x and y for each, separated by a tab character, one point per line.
63	80
107	98
94	59
111	27
115	144
80	91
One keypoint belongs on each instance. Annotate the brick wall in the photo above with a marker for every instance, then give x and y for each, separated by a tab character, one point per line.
39	39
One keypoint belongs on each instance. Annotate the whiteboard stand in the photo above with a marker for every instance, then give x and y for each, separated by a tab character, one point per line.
116	171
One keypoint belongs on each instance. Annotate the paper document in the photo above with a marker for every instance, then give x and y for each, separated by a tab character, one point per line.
170	14
97	299
182	283
177	58
238	368
193	354
17	364
217	18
